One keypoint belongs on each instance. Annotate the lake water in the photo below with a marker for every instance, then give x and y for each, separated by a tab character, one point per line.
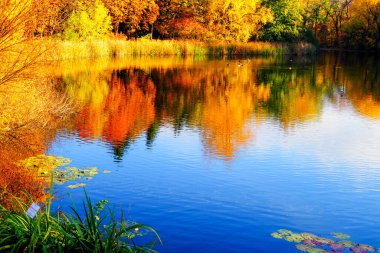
218	154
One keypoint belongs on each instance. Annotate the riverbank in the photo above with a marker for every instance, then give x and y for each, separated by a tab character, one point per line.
113	48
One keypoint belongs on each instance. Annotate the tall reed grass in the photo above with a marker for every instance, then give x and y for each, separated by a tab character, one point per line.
113	48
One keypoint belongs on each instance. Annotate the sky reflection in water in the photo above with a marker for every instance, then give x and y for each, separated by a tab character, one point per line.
216	157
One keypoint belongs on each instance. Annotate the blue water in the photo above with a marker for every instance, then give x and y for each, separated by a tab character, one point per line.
320	174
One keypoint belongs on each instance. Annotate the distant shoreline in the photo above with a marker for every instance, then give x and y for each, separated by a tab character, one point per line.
337	49
57	49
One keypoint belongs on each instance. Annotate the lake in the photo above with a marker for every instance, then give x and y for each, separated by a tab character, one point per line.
217	154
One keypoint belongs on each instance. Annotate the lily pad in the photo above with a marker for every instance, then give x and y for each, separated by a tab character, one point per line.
74	186
44	164
323	240
337	246
282	234
341	236
308	236
294	238
366	247
347	244
73	173
303	247
358	250
285	231
277	235
309	249
310	242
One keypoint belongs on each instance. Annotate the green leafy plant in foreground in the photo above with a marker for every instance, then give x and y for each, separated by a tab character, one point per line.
97	231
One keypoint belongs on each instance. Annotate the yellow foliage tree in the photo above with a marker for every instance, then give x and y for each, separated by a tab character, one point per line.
237	20
134	14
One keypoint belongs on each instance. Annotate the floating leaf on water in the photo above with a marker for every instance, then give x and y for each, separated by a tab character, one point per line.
310	242
106	171
341	236
309	249
285	232
282	234
308	236
347	244
358	250
294	238
277	235
303	247
323	240
72	173
317	250
366	247
337	246
44	163
74	186
315	244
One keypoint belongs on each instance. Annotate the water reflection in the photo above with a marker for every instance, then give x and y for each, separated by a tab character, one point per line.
221	99
115	108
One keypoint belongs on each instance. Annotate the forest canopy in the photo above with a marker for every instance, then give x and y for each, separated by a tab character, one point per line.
328	23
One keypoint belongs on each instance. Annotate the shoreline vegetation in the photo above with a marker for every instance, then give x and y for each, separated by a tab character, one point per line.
98	230
29	227
57	50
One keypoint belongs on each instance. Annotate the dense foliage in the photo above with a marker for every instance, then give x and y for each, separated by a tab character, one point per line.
333	23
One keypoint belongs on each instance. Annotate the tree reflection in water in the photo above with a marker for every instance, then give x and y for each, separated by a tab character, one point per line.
223	100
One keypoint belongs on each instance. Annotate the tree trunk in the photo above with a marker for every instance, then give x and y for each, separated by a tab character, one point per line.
336	25
151	32
117	28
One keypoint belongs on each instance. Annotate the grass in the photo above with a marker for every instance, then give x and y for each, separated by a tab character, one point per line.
113	48
97	231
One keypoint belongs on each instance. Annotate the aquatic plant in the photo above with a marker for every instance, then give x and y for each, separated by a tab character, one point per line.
341	236
53	167
97	231
311	243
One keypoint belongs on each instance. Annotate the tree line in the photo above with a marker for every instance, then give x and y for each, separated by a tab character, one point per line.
329	23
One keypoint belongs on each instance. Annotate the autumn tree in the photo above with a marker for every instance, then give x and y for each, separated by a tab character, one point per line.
16	53
88	21
49	16
338	12
132	15
363	30
181	18
237	20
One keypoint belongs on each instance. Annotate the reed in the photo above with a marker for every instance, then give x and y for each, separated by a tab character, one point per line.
114	48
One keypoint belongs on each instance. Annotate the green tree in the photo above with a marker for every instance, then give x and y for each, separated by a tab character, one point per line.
88	21
287	24
316	14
